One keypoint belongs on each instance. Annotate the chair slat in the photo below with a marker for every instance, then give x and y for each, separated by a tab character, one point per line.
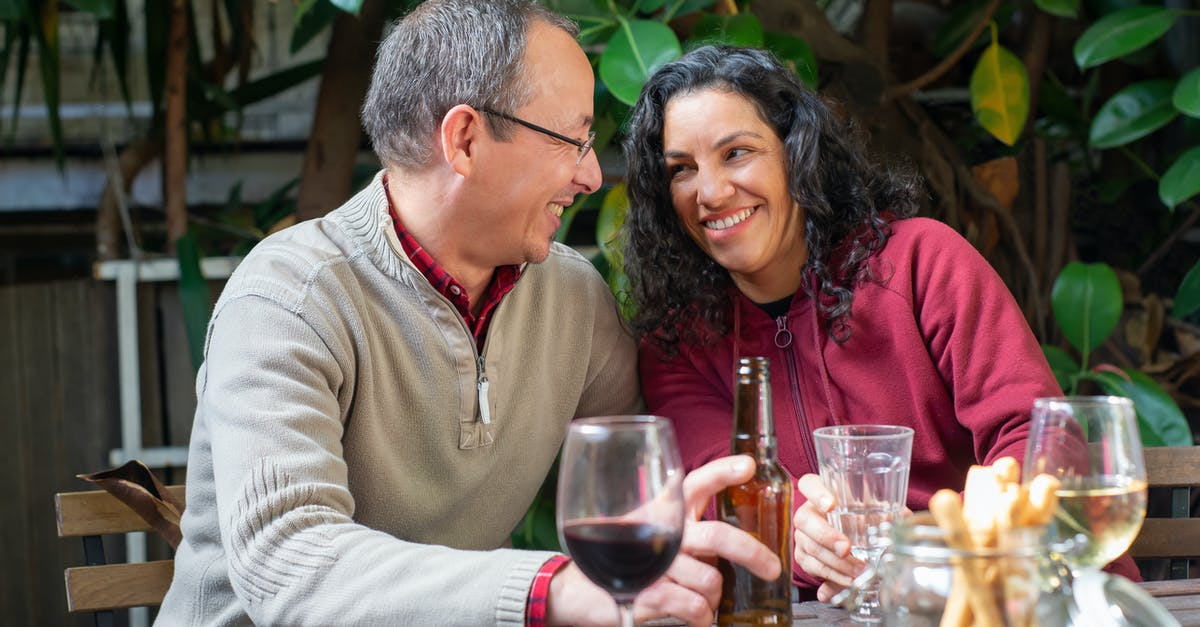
97	512
1172	466
117	586
1168	538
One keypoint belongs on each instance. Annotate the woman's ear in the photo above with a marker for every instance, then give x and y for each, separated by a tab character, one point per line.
460	134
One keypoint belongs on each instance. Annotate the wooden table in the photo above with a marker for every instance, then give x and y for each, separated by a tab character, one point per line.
1181	597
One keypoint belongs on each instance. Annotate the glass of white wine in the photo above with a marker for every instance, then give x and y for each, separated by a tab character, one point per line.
1091	444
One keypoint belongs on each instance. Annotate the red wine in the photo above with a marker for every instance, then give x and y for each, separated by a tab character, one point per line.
622	557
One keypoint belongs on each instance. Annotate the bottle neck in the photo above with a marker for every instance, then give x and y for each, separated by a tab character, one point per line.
754	425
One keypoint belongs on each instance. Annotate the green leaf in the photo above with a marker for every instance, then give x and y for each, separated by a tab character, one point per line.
1000	93
1061	8
635	51
962	21
1087	304
1182	180
1133	113
796	54
113	34
608	224
1062	364
1056	103
742	29
103	9
1187	94
676	8
194	297
1160	421
650	6
10	11
1118	34
1187	300
349	6
311	22
43	23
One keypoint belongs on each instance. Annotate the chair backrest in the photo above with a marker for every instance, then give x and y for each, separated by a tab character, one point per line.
99	586
1177	537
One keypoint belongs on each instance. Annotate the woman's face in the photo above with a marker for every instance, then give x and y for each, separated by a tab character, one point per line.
728	180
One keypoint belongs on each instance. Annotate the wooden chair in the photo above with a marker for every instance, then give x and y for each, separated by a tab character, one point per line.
101	587
1176	538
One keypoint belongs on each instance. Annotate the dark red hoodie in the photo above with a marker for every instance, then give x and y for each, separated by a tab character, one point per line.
938	344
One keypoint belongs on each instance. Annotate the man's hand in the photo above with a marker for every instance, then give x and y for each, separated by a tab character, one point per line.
691	588
821	550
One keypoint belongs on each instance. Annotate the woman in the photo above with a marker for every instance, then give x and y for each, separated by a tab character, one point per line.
757	226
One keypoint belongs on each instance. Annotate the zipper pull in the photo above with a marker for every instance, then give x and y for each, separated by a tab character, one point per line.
783	337
485	412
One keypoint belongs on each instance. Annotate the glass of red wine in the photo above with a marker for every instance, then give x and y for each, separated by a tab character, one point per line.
620	502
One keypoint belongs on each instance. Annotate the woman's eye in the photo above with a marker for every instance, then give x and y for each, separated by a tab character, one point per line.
737	152
675	170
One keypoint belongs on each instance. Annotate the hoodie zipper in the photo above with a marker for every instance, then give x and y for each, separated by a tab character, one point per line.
783	341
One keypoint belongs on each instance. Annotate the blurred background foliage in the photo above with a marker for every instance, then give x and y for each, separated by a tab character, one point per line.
1061	137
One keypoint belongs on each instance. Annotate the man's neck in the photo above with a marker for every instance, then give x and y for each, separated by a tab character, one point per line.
427	211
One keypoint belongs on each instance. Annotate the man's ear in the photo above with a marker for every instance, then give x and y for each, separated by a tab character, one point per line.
461	132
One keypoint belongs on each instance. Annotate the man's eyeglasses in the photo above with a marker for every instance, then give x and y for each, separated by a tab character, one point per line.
584	146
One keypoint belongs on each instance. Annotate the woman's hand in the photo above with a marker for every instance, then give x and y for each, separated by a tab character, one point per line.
821	550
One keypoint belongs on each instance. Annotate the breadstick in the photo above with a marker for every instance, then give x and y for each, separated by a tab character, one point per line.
1007	470
980	497
1043	500
949	513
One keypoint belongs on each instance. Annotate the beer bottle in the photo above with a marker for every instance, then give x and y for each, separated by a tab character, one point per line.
762	506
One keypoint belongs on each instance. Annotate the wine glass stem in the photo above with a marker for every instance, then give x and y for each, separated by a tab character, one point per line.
625	613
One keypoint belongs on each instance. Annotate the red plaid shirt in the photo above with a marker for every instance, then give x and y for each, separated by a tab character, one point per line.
504	279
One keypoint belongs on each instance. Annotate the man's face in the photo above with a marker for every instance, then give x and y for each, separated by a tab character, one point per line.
532	177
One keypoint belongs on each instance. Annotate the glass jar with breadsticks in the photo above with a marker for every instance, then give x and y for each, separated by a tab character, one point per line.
977	559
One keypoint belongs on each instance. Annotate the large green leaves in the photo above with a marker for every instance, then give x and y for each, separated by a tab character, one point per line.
1160	421
742	29
1187	94
1061	8
796	53
636	50
1133	113
1000	93
1118	34
1182	179
608	224
194	296
102	9
962	22
1062	365
1087	304
1187	301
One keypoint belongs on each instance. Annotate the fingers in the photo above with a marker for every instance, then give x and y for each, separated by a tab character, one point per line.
820	549
668	598
815	492
702	483
708	538
828	590
698	576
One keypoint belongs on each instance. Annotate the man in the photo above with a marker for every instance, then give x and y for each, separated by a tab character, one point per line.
385	388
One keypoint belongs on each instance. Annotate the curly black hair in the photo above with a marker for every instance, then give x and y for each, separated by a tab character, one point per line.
681	294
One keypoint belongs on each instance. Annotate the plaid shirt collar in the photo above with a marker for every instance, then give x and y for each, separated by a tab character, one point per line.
504	279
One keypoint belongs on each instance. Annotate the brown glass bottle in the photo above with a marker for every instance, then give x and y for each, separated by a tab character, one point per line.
761	506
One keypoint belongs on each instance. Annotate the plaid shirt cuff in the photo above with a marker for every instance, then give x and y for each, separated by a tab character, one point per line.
539	592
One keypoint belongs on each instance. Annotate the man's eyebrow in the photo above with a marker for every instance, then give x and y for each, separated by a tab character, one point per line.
730	138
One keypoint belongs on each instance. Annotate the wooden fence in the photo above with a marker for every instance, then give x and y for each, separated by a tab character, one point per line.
59	416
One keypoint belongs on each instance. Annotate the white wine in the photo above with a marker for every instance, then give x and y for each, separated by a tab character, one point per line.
1108	510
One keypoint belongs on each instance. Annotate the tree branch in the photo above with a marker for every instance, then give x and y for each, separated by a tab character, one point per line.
1170	241
916	84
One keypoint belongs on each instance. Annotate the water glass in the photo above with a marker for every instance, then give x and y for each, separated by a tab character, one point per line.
866	469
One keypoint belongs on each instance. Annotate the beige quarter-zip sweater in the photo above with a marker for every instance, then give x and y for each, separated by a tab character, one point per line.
341	471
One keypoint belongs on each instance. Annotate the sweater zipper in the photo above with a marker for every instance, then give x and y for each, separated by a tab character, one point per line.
783	341
485	412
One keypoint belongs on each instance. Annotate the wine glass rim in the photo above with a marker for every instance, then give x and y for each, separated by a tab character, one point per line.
864	432
1094	401
632	420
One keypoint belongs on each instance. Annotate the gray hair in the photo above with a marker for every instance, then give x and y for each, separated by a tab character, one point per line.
443	54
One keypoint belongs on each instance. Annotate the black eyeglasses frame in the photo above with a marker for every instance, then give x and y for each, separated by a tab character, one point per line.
584	146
